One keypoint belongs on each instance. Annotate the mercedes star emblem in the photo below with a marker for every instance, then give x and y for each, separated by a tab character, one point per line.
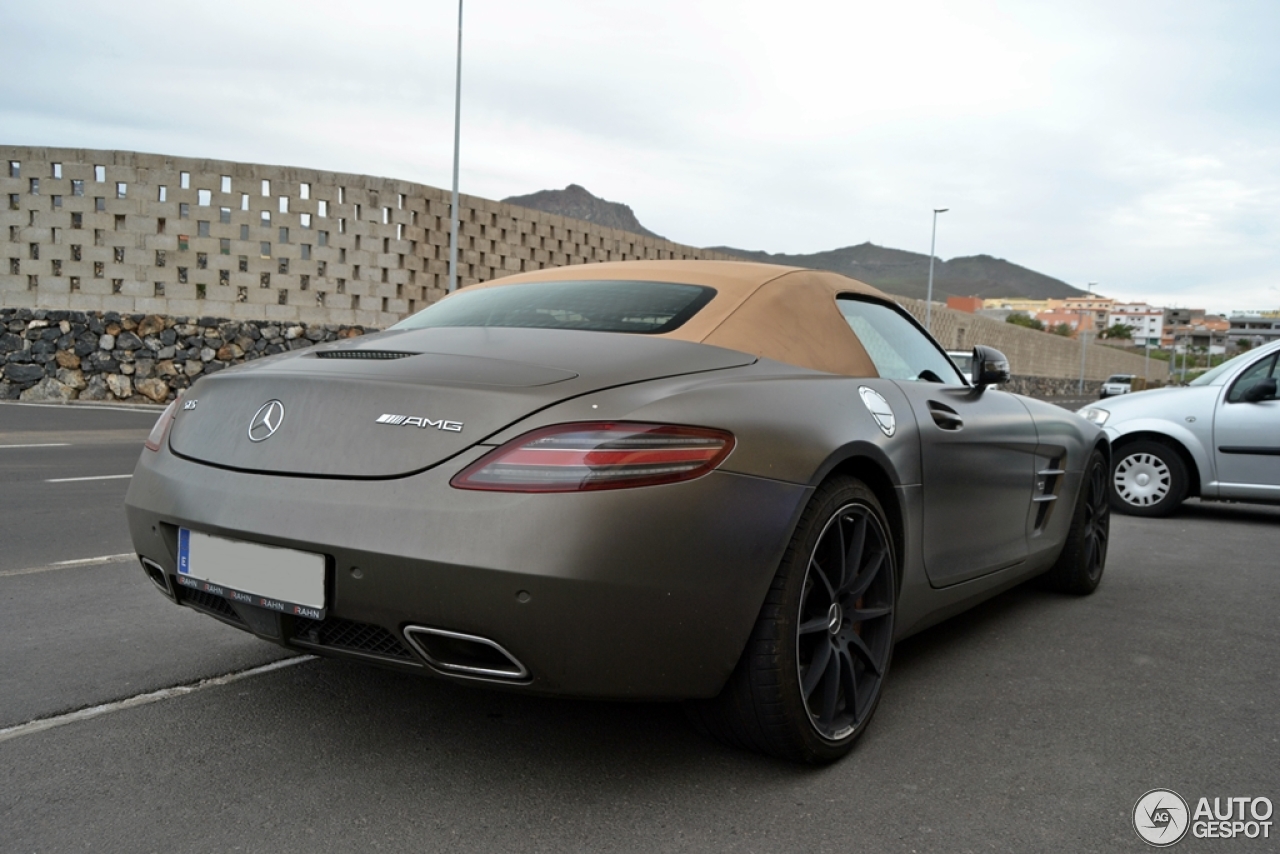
266	421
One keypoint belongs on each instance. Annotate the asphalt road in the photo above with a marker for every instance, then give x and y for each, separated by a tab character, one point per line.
1032	723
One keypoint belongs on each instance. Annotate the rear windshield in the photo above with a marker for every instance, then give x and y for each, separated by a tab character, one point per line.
645	308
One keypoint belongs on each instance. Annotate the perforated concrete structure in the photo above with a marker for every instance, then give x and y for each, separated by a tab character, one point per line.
150	234
147	233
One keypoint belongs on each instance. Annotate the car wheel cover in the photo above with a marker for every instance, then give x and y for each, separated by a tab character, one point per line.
844	633
1143	480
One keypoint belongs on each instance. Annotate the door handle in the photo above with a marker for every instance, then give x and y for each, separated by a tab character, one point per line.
945	417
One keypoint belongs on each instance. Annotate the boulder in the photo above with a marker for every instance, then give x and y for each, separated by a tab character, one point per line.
72	378
16	372
150	325
107	342
157	390
95	388
49	390
67	359
120	386
128	341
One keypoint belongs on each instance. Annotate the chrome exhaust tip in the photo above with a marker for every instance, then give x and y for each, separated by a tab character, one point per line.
158	577
459	654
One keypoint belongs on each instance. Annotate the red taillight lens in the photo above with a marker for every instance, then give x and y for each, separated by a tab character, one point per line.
598	455
156	437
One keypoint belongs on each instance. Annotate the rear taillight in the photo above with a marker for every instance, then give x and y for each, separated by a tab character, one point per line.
156	437
598	455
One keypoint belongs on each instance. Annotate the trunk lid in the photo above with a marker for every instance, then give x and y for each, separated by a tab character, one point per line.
395	403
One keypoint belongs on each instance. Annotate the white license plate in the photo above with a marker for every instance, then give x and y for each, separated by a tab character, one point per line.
279	579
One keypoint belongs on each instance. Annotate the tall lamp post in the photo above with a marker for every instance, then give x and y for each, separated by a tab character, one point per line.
928	300
1084	344
457	125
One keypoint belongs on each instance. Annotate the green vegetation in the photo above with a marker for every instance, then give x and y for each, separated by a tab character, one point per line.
1063	329
1117	331
1019	318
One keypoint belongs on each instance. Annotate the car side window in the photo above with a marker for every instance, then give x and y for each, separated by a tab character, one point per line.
898	348
1255	374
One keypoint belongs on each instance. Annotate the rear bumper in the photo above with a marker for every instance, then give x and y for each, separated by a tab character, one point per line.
635	593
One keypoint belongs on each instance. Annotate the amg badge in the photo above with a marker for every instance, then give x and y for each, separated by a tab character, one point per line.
420	421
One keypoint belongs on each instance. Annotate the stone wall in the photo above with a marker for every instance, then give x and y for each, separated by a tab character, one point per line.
118	231
59	355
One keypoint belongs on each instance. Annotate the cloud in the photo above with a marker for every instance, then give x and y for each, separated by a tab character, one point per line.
1136	145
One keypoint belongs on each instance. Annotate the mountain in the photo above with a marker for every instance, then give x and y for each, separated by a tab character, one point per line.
574	201
891	270
907	273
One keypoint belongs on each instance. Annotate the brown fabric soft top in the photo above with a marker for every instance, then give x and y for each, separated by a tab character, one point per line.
788	314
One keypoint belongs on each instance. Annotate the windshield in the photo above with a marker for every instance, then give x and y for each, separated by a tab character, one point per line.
1212	376
646	308
1119	378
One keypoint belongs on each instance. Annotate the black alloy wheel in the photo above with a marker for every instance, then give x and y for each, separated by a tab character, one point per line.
844	634
1084	556
812	673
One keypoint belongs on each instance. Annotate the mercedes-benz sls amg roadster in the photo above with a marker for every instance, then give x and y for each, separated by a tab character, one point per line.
731	484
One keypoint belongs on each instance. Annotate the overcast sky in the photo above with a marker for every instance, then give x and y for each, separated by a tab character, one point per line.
1132	143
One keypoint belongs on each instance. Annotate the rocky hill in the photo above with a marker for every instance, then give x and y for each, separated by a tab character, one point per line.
892	270
907	273
574	201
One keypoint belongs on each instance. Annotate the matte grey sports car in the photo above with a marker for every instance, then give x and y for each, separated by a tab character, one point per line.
727	483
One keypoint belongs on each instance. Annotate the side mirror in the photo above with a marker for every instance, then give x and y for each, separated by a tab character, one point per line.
1261	390
990	367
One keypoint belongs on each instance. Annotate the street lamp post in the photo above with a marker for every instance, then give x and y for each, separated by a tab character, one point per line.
457	126
928	301
1084	351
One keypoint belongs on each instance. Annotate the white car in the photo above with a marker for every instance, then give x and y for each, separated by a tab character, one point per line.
964	361
1217	438
1117	384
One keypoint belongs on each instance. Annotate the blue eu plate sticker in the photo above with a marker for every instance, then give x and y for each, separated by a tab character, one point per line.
184	551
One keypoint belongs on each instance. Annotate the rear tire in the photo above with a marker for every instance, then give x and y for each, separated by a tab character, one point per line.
810	677
1148	478
1084	557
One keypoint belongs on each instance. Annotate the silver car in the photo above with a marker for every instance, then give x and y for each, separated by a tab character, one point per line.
1217	438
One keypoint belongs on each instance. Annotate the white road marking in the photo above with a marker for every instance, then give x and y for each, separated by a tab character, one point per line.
42	724
68	564
99	477
44	445
135	408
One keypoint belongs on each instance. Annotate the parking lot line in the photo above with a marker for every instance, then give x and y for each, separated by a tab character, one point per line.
70	564
98	477
42	724
42	445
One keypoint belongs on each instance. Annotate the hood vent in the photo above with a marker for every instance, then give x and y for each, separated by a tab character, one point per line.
364	354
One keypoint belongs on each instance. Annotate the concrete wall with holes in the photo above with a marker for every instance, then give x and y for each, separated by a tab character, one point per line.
147	233
132	233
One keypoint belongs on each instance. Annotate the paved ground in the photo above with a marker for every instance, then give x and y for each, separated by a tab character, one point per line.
1032	723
